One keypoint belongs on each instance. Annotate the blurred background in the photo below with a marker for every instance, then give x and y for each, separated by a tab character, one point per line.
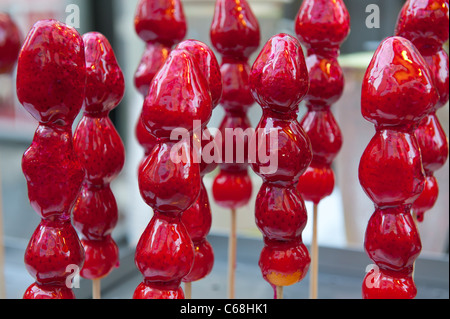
343	216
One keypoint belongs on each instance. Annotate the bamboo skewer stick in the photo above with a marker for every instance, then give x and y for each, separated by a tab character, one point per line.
232	255
188	290
96	290
2	249
314	258
279	292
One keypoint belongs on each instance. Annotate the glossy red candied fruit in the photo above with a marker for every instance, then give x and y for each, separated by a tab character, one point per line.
169	178
155	54
160	21
234	30
424	23
232	189
52	171
157	291
414	23
197	220
53	246
48	291
52	86
280	212
105	85
51	78
102	156
398	89
276	219
208	65
236	95
284	263
161	25
438	64
167	186
279	77
390	170
101	257
95	212
10	43
322	25
99	148
288	157
235	34
166	108
393	242
164	252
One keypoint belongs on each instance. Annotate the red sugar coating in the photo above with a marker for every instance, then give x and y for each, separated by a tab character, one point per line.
234	30
322	25
398	89
52	171
397	93
105	85
9	43
51	76
164	252
53	246
279	81
160	21
178	95
169	187
208	66
279	77
424	23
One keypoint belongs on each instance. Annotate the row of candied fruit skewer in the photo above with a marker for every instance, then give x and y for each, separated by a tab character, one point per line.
60	72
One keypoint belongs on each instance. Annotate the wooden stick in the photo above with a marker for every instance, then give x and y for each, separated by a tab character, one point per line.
187	290
2	250
96	289
279	292
314	258
232	255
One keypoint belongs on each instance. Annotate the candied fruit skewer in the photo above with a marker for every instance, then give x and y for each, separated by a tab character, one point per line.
235	35
161	25
102	155
52	90
397	93
322	26
425	24
9	51
279	82
198	219
169	177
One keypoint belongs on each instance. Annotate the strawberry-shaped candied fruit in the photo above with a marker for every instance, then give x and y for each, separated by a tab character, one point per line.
169	177
397	92
197	219
322	26
101	153
51	80
279	81
10	43
235	35
425	24
161	25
